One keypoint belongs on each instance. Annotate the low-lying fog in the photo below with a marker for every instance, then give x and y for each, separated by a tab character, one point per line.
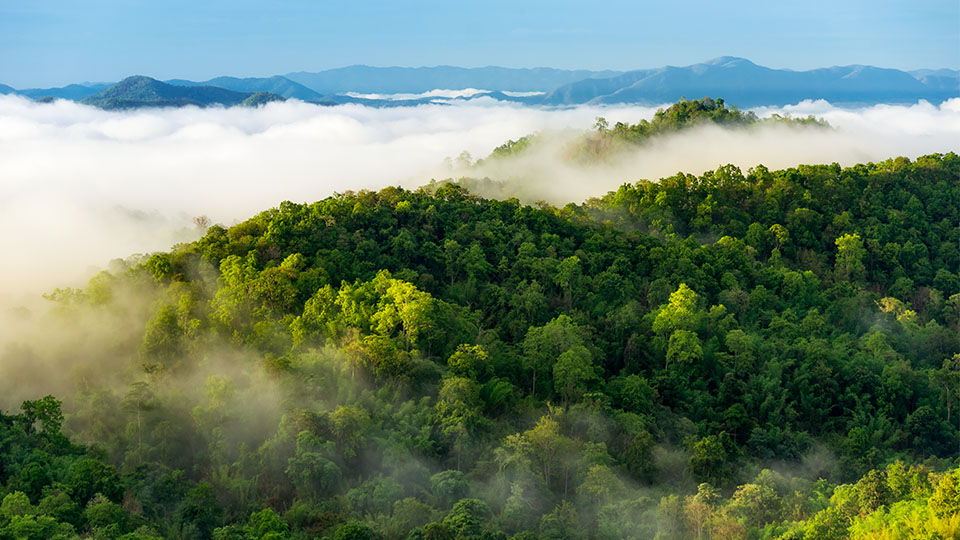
80	186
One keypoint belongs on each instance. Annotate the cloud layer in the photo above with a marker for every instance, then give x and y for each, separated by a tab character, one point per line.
859	135
80	186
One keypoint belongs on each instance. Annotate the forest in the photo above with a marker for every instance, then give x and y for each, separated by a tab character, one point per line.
605	141
760	354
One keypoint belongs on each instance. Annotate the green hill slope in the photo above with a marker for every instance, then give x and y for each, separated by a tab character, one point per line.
140	91
606	141
278	85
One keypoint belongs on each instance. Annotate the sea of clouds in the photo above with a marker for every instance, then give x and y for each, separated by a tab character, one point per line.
80	186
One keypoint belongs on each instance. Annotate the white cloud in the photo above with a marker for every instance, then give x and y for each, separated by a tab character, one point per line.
438	93
79	186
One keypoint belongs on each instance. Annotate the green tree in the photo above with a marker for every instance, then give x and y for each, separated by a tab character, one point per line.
543	345
562	522
467	518
674	323
756	504
139	399
88	476
267	524
547	446
698	509
353	530
44	412
601	485
708	461
200	509
741	347
105	517
448	487
349	425
945	500
472	362
459	412
574	373
162	347
16	504
684	348
311	472
850	254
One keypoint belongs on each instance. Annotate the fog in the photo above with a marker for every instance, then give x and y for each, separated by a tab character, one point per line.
858	136
80	186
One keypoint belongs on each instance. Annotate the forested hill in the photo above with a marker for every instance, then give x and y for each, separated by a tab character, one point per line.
139	91
606	141
769	355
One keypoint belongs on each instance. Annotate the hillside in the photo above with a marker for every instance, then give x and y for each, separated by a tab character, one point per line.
140	91
277	85
761	355
73	92
606	141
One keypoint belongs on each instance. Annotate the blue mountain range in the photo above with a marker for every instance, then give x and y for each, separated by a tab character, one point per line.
737	80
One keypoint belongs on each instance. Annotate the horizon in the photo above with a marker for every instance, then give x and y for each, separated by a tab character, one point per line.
286	73
61	43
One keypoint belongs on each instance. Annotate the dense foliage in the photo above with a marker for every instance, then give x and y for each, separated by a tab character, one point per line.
770	355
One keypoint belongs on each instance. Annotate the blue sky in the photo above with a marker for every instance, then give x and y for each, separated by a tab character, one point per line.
57	42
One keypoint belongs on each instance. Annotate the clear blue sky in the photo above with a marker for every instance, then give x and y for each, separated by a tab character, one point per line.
55	42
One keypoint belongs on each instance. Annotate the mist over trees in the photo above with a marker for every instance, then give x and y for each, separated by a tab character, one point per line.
606	141
769	354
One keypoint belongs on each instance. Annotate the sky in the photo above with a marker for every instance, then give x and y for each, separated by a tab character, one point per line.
57	42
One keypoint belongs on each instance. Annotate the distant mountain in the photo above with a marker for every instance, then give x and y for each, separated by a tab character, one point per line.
737	80
140	91
397	80
73	92
588	89
742	82
278	85
918	73
942	79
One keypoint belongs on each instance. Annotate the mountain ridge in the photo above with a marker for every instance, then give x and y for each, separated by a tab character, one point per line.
369	79
748	84
738	80
141	91
276	84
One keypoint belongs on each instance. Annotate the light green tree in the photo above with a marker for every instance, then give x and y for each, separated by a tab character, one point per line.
850	253
574	373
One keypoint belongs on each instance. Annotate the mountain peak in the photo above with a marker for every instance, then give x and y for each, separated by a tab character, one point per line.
142	91
135	81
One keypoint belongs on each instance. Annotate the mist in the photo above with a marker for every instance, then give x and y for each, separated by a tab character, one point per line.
80	186
858	136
